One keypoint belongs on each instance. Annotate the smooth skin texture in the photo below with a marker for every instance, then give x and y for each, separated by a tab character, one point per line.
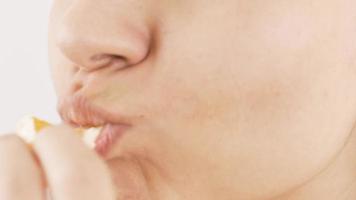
233	99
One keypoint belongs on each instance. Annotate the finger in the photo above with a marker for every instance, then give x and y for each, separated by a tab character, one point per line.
73	171
20	175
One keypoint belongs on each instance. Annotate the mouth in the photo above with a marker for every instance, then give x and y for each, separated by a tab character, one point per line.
109	136
78	112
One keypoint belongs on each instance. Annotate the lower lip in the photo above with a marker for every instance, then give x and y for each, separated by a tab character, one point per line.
109	136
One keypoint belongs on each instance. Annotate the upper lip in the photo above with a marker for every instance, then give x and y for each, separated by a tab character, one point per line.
78	111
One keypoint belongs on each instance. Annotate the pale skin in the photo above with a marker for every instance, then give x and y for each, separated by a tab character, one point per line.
230	100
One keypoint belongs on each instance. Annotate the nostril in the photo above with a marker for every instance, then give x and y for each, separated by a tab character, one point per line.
100	61
100	57
119	63
116	57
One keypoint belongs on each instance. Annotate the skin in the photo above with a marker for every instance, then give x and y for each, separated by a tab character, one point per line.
247	100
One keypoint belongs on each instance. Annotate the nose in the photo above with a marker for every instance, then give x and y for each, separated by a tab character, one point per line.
96	34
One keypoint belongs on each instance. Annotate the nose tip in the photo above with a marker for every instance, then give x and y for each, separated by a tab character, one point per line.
92	41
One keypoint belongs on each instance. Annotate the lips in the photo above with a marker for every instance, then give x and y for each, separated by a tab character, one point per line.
79	112
109	135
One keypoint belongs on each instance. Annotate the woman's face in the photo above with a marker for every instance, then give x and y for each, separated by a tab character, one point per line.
226	99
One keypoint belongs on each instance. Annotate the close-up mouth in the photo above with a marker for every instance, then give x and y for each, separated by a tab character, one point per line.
108	136
79	112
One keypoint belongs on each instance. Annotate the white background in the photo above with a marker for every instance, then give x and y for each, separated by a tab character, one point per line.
25	84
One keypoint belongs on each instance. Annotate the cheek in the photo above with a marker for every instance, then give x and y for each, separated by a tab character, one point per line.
252	105
253	130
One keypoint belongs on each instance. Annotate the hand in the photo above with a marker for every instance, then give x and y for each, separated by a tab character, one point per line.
58	161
